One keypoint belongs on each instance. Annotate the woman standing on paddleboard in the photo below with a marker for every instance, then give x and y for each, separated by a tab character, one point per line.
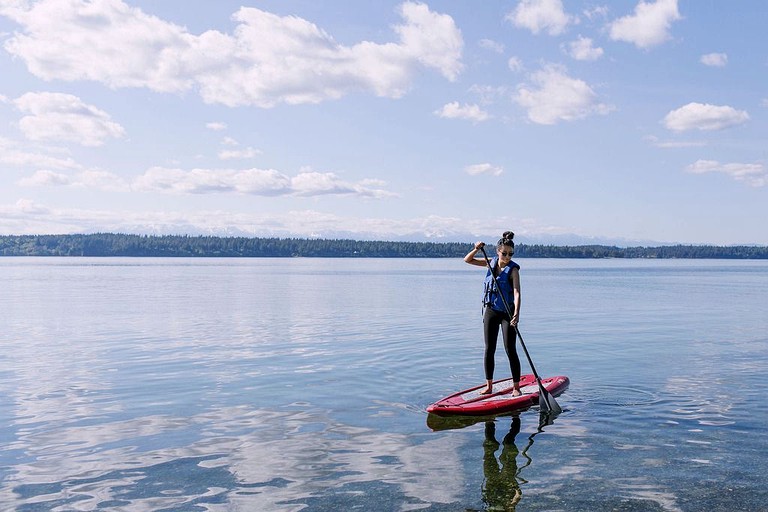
495	317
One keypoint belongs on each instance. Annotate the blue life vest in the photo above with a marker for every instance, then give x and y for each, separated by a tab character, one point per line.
491	295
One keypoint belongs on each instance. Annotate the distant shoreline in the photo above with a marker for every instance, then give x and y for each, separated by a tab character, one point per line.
113	244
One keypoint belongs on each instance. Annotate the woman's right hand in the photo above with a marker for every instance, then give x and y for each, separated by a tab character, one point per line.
479	245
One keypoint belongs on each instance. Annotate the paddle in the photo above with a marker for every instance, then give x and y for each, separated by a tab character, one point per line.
547	402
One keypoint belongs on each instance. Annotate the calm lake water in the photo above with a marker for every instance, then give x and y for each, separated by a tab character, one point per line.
301	384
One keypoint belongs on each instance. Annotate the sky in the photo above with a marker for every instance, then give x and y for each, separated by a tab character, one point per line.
571	121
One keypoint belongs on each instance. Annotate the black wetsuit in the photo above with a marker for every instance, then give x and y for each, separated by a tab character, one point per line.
493	321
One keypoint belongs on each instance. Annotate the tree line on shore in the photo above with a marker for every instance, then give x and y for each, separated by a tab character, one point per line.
112	244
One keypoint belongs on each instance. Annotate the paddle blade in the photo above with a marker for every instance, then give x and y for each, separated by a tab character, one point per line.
547	402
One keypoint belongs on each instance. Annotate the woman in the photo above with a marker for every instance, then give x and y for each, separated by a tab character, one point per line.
495	316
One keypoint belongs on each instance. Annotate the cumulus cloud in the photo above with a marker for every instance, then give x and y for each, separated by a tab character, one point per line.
486	168
455	111
205	181
243	153
216	126
583	49
515	64
598	12
491	45
92	178
267	60
703	116
541	15
674	144
717	60
260	182
13	156
553	96
65	118
430	38
754	175
236	152
45	178
649	25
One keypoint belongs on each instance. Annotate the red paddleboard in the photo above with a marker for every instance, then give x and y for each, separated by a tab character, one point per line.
471	403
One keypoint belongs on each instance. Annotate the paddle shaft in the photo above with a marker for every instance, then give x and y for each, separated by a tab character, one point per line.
546	400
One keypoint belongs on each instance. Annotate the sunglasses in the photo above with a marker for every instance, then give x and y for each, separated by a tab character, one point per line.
506	253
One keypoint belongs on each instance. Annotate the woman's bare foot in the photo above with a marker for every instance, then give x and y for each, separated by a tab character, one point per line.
487	390
516	390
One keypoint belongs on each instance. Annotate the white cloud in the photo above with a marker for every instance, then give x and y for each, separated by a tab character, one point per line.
455	111
109	42
486	168
267	182
582	49
491	45
554	96
675	144
596	12
515	64
12	156
649	25
231	154
701	116
216	126
310	183
45	178
754	175
718	60
260	182
267	60
672	144
95	179
430	38
541	15
65	118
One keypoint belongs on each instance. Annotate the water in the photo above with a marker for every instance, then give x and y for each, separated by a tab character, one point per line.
301	384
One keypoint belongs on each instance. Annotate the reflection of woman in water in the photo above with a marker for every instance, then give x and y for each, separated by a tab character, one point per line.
501	490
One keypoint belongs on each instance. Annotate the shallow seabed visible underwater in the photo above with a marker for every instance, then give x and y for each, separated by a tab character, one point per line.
301	385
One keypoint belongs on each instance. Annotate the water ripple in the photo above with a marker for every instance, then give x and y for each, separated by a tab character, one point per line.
294	385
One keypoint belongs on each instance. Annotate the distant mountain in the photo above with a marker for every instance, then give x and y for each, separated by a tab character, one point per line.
570	239
440	235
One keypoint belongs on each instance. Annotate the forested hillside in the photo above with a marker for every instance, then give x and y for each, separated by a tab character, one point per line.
109	244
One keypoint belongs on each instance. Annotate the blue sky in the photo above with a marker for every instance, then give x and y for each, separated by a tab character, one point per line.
451	120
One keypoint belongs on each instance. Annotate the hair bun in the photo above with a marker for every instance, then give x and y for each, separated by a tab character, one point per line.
508	235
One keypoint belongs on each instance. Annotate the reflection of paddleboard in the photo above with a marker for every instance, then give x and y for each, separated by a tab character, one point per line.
471	403
437	423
